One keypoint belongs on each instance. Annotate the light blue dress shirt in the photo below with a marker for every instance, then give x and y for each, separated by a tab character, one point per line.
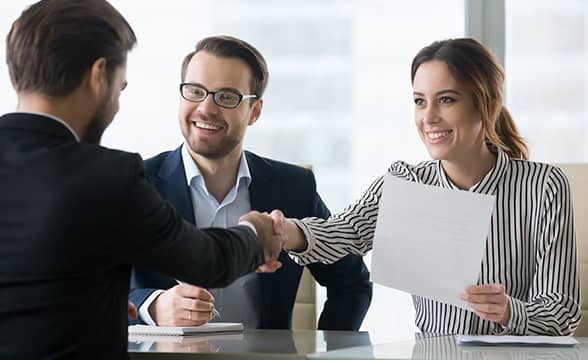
240	301
208	212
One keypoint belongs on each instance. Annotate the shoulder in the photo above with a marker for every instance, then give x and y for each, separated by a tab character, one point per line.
106	157
110	169
539	175
535	169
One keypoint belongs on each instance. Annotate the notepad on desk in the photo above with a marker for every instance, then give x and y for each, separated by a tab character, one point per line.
516	340
188	338
185	330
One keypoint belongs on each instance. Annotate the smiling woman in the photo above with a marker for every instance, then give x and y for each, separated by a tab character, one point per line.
457	86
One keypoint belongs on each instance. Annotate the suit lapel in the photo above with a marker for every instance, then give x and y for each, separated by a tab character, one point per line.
172	185
262	187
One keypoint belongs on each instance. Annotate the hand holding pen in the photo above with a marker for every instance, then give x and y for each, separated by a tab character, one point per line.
183	305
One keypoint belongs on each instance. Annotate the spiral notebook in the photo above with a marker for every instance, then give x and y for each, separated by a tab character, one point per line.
184	330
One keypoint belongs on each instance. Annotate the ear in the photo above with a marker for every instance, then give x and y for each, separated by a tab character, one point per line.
255	112
98	78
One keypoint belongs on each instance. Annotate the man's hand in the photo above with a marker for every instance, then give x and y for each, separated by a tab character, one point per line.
132	311
182	305
270	235
489	302
293	238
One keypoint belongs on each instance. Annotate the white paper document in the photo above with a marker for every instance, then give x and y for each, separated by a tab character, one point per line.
429	241
184	330
516	340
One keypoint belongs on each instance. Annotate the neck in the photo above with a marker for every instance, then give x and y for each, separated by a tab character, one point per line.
220	174
65	108
469	170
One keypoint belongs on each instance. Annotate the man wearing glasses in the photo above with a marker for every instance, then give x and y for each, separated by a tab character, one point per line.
212	181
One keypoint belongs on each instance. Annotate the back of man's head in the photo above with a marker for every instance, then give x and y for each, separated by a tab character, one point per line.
55	42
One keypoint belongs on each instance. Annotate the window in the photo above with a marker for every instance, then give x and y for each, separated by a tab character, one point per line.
546	76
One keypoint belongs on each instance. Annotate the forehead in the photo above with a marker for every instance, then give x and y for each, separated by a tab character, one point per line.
215	72
434	76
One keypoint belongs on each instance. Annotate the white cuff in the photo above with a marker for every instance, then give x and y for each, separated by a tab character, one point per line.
144	309
248	224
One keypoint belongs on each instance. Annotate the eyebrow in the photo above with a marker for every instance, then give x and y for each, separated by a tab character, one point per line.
230	89
445	91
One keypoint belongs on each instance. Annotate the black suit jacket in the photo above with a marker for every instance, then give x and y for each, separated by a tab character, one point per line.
73	218
274	185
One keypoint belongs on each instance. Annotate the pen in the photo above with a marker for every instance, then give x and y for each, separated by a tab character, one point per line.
215	313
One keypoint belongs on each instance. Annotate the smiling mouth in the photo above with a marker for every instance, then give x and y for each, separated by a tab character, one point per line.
206	126
436	135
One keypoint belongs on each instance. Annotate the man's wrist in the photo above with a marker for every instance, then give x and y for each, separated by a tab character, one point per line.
144	313
249	225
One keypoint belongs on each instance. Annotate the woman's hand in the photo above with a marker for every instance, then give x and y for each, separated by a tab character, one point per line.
488	301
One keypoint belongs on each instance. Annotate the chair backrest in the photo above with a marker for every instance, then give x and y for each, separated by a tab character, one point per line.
304	315
578	176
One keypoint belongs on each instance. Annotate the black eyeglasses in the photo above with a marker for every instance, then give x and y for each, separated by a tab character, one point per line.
228	99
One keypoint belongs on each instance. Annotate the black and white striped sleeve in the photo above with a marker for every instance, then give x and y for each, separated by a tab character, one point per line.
350	231
553	306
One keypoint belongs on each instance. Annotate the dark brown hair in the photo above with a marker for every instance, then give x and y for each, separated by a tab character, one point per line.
473	65
55	42
230	47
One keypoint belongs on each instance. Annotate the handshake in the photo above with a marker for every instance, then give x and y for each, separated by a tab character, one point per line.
275	233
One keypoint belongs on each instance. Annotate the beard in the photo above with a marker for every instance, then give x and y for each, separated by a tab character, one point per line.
98	124
216	152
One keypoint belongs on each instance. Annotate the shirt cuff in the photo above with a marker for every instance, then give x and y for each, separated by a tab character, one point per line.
304	257
249	225
144	308
519	320
517	324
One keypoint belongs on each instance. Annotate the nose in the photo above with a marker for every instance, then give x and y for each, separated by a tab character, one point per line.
207	106
431	113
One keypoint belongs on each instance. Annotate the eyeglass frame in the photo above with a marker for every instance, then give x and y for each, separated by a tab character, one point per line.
213	93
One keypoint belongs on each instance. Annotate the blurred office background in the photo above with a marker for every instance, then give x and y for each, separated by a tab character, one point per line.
339	95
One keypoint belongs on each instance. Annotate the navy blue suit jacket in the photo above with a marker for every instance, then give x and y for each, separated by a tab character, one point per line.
274	185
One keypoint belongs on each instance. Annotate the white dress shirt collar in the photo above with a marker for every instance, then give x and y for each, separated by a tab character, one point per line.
194	174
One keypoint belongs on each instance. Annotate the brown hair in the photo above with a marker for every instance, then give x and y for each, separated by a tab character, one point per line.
230	47
55	42
472	64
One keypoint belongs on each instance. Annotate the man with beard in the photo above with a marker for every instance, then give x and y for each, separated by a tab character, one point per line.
212	181
74	216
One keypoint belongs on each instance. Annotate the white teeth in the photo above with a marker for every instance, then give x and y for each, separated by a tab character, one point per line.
437	135
207	126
